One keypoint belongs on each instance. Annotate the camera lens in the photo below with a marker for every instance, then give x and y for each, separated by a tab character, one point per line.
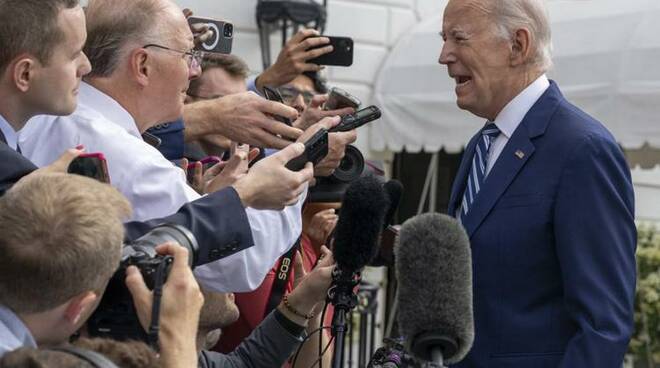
229	30
163	234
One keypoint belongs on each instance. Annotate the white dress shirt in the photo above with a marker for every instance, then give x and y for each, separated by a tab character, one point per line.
154	186
513	114
10	135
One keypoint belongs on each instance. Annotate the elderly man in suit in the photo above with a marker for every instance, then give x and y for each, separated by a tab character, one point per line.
545	195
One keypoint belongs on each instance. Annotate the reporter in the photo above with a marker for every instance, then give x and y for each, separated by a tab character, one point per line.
134	87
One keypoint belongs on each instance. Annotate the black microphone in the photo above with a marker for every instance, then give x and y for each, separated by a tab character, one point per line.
434	270
385	256
355	245
359	224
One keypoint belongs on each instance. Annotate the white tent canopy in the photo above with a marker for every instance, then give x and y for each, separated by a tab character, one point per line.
606	61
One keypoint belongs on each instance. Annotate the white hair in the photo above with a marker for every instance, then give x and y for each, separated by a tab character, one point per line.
532	15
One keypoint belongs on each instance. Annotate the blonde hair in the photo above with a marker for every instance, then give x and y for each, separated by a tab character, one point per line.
61	236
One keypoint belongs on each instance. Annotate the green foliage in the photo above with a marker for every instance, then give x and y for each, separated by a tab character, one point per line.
645	344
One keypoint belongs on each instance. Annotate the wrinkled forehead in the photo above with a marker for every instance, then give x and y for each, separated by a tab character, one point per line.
467	15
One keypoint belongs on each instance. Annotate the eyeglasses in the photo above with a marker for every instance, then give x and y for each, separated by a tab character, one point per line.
193	57
289	94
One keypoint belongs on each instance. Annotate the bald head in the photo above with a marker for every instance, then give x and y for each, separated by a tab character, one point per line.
113	26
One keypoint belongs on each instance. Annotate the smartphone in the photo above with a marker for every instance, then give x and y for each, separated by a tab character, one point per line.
339	99
316	148
222	39
92	165
341	55
272	94
207	163
357	119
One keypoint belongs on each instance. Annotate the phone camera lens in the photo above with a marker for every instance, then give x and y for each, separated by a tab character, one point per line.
229	30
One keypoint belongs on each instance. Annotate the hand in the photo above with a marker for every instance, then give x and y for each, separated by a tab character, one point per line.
181	304
292	60
337	143
226	173
61	165
243	117
314	113
321	226
270	185
200	31
310	289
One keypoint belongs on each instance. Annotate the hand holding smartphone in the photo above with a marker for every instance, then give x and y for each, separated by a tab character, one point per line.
341	54
340	99
272	94
92	165
357	119
220	42
316	148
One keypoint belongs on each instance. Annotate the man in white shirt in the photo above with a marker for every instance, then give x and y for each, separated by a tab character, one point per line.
142	66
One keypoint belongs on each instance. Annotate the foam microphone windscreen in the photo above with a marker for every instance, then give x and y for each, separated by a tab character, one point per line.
360	223
394	191
434	271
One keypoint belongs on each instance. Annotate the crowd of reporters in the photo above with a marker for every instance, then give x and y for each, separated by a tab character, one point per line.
98	79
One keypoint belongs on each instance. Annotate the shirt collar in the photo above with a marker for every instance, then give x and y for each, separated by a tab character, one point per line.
514	112
10	134
16	328
108	107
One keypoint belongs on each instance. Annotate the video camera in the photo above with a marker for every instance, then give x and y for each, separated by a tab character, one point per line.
115	316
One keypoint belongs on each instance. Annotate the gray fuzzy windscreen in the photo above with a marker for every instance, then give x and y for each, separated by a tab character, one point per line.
434	271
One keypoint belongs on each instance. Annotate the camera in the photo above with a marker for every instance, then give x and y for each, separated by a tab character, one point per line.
332	188
115	316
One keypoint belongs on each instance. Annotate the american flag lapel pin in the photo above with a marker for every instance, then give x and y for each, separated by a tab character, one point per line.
520	154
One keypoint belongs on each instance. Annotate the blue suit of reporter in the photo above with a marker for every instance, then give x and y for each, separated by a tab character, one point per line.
553	244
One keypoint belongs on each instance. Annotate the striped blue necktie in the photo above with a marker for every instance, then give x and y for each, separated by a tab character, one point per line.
478	168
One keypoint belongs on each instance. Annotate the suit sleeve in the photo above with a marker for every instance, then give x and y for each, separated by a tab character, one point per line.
596	240
218	221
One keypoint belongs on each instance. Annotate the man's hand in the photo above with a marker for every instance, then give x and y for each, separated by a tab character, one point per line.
337	143
181	304
292	60
243	117
314	113
61	165
270	185
228	172
200	31
310	289
321	226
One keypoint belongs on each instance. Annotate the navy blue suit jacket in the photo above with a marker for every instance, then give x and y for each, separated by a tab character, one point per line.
218	220
553	245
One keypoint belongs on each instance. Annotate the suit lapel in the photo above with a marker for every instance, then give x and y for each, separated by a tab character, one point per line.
461	177
516	153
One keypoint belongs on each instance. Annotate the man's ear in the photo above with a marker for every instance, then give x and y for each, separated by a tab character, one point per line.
141	65
521	47
23	70
79	306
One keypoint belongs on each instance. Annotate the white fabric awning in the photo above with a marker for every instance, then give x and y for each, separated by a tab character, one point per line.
607	62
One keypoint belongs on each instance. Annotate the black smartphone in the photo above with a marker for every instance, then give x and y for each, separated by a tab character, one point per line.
91	165
339	99
222	39
316	148
357	119
272	94
341	55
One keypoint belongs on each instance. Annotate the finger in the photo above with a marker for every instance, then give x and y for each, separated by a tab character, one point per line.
329	122
283	130
303	34
317	102
288	153
312	41
279	109
235	161
187	13
135	284
254	153
308	67
326	257
343	138
215	170
198	175
184	164
63	162
298	267
314	53
306	174
264	139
